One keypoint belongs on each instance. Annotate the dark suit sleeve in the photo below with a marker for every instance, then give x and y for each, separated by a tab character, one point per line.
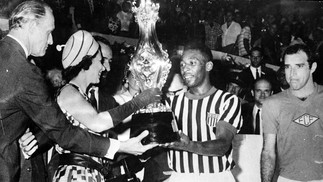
43	142
246	76
34	100
271	76
246	112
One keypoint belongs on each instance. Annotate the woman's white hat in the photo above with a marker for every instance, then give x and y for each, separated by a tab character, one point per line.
80	44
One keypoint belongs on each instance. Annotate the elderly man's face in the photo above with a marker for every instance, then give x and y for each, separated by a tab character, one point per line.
41	34
261	91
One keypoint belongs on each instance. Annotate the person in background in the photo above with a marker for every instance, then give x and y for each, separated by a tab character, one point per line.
55	78
271	45
197	29
257	70
208	120
104	100
292	123
251	112
244	39
107	101
125	17
231	30
212	31
236	86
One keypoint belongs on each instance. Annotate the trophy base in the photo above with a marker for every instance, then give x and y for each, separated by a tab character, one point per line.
158	124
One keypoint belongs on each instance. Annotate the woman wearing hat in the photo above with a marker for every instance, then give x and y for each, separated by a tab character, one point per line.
82	62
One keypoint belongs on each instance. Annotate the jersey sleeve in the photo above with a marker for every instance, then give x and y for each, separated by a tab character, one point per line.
269	116
231	111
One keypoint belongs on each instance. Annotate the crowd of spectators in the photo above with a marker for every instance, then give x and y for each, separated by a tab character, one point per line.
208	22
234	27
183	21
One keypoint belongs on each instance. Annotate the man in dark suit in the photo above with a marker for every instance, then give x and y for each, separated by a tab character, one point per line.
251	112
255	71
24	96
103	100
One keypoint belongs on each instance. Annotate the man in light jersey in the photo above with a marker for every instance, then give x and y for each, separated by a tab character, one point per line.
292	123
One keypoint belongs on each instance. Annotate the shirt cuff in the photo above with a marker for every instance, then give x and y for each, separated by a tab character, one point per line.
113	149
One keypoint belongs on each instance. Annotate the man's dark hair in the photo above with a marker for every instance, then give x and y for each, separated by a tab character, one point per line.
205	51
256	49
296	48
27	11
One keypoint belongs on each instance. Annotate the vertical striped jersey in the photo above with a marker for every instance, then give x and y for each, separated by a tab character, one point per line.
198	117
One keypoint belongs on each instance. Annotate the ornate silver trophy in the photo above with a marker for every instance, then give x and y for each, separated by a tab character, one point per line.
150	66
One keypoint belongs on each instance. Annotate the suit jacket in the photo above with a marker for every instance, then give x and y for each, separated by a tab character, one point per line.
34	169
106	101
24	98
246	112
248	79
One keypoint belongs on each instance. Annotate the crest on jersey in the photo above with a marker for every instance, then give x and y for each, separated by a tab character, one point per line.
306	120
212	119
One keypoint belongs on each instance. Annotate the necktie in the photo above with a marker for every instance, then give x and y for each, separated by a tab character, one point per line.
257	74
92	98
257	127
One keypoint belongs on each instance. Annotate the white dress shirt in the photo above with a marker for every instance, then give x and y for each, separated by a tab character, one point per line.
254	71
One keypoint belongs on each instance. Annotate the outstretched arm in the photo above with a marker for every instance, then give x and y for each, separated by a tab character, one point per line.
268	157
29	145
74	103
